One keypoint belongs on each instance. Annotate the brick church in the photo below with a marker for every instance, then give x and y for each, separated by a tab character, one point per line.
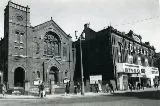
33	53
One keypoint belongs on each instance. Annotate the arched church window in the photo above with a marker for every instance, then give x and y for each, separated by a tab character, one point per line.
51	44
38	74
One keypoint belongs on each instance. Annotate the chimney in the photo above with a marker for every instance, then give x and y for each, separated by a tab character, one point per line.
86	25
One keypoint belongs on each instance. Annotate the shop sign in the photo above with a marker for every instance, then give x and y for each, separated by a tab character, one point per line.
95	78
155	70
128	68
132	70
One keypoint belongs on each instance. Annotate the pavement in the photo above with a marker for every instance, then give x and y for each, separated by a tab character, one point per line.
87	94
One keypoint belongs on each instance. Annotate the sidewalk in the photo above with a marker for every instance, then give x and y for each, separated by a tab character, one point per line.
87	94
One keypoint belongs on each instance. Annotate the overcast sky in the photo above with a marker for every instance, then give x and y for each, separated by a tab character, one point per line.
71	15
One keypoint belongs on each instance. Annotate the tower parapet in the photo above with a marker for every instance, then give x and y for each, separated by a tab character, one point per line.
19	7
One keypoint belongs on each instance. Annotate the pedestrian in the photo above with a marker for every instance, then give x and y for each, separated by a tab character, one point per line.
107	87
90	88
156	85
138	86
96	87
4	90
130	86
142	85
99	86
111	88
78	87
41	90
75	89
67	88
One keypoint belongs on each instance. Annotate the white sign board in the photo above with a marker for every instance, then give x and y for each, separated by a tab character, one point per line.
37	82
95	78
128	68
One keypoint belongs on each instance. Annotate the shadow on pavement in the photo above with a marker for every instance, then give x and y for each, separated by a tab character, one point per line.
142	95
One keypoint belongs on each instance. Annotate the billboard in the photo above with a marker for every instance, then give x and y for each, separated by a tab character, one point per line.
95	78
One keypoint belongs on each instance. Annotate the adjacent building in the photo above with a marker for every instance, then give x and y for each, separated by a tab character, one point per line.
116	56
29	54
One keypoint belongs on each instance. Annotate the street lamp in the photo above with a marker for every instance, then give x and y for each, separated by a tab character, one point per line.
82	82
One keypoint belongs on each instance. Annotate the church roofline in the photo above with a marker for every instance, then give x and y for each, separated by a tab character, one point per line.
52	22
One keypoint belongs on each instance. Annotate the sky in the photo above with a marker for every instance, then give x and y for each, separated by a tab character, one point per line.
141	16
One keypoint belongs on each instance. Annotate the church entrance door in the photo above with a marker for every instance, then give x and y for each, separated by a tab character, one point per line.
54	74
19	77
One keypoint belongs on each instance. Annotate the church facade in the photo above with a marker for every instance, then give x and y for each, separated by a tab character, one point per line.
33	53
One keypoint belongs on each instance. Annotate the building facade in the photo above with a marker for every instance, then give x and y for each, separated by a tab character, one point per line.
116	56
33	53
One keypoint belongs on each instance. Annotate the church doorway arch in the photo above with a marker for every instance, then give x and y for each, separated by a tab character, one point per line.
54	74
19	77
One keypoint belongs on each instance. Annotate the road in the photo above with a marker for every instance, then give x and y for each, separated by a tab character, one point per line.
147	98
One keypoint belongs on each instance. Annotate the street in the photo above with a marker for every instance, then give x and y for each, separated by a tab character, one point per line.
136	98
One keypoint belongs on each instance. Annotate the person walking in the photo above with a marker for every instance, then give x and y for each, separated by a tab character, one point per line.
138	86
96	87
4	90
67	88
99	86
41	90
107	88
156	85
142	85
78	87
75	89
111	87
130	86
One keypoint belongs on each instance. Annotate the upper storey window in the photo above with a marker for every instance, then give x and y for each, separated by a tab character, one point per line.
51	44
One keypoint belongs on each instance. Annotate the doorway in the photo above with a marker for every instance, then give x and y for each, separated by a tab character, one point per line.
54	74
19	77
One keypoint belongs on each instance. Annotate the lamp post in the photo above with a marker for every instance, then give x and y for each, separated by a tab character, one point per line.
82	81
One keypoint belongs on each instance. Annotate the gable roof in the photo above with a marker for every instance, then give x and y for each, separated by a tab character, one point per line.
50	22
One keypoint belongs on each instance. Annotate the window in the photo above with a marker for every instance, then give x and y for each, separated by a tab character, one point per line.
38	74
130	59
64	52
146	62
19	37
139	61
18	43
51	44
66	74
37	48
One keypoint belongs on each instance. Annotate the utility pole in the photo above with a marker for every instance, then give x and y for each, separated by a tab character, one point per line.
82	76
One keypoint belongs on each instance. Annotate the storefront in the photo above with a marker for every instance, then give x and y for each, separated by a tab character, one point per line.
152	74
131	73
128	73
